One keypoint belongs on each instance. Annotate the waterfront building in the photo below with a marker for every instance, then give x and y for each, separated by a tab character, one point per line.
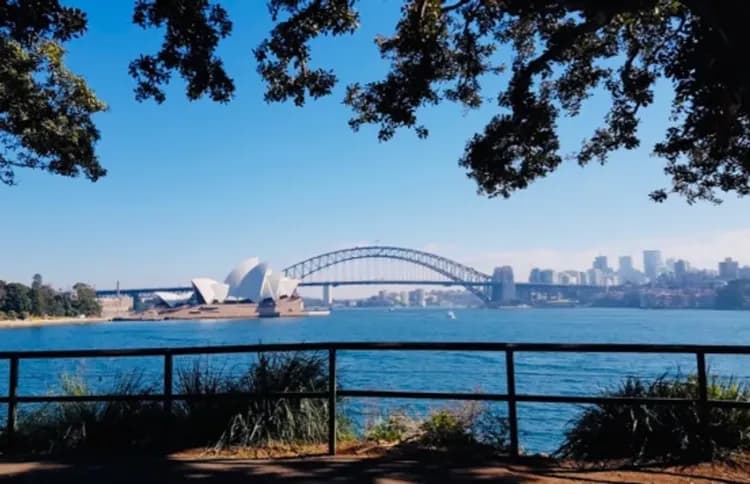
744	272
419	298
251	280
652	264
729	269
328	295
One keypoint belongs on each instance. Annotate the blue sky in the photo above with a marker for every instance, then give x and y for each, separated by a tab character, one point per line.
195	187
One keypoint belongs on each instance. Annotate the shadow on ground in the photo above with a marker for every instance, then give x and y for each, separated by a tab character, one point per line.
395	466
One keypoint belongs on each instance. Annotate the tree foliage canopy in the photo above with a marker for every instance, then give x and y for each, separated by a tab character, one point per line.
548	56
41	300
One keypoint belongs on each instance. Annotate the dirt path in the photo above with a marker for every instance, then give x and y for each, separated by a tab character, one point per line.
392	467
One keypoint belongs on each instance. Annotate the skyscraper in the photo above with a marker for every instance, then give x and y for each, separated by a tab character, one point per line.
535	276
626	265
600	262
652	263
680	270
504	288
626	273
547	276
729	269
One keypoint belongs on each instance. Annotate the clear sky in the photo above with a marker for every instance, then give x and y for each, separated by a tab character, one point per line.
195	187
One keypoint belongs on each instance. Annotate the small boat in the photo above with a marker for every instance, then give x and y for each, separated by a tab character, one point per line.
451	315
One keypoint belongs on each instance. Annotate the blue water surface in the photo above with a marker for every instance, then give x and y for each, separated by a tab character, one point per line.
541	425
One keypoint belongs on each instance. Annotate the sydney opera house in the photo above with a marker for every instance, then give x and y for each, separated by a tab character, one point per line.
251	289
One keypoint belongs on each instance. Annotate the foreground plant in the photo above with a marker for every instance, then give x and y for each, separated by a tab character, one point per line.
661	433
469	426
219	414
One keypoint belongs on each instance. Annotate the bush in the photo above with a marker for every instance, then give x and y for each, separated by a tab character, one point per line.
660	433
445	429
470	426
396	427
282	420
60	427
222	422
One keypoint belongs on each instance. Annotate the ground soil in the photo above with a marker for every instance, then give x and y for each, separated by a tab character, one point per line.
355	463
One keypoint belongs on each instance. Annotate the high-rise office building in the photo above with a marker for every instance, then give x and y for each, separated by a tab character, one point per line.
681	267
535	276
547	276
600	262
729	269
626	264
652	264
504	287
595	277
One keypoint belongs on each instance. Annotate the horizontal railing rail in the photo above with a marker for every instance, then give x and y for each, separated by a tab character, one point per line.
332	393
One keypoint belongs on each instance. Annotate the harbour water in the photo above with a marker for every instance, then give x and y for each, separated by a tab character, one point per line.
541	425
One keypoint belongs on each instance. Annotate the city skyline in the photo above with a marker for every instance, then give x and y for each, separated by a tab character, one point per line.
189	184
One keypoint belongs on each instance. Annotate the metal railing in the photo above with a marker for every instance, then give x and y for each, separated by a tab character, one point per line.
333	392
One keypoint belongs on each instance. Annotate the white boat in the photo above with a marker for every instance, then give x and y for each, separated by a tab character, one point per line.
451	315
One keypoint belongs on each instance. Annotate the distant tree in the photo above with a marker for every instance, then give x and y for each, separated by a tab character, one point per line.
85	300
17	298
546	56
41	296
2	294
62	305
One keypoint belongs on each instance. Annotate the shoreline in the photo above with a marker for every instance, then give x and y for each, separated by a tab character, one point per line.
31	323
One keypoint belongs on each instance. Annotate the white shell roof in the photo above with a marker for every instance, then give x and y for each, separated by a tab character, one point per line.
250	280
210	290
240	271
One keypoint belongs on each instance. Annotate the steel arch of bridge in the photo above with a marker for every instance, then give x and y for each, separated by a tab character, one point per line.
461	274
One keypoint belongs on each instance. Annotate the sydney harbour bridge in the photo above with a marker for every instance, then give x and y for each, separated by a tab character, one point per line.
387	265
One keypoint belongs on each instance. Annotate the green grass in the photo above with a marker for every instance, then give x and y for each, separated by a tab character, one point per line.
660	433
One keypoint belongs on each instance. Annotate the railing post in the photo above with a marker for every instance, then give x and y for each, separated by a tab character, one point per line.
332	401
12	401
510	374
703	406
168	383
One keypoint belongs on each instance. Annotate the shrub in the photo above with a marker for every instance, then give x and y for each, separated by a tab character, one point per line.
445	429
221	422
59	427
284	420
473	425
395	427
648	433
